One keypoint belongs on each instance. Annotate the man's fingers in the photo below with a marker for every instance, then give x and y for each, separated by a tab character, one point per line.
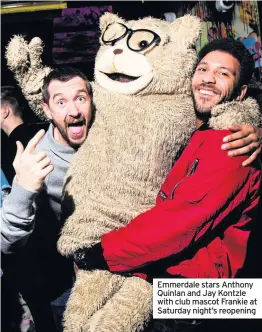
235	136
244	150
47	170
40	156
19	151
34	141
240	131
45	162
243	128
237	144
252	158
235	128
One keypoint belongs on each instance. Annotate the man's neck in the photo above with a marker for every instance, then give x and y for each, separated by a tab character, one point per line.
199	123
201	118
11	125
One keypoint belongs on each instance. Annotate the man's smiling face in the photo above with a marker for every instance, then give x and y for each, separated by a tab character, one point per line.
215	80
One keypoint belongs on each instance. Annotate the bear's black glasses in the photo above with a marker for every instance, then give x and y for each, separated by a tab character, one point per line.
137	40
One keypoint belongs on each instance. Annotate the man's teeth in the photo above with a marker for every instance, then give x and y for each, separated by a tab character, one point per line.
207	92
76	124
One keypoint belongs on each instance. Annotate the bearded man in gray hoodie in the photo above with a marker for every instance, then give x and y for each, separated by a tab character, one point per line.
31	212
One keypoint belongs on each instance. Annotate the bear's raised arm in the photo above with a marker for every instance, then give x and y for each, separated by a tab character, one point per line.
24	60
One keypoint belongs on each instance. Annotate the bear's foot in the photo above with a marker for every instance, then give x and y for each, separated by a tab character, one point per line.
91	291
128	310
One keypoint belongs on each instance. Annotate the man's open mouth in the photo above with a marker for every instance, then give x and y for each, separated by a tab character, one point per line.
76	128
121	77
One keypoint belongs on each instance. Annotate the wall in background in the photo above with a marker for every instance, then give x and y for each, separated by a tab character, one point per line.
71	36
76	34
240	22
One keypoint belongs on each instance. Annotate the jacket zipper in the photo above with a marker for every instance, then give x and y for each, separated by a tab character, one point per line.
189	173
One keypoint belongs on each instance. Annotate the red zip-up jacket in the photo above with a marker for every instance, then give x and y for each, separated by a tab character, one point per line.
202	217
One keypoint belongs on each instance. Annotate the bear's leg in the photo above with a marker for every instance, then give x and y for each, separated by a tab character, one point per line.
128	310
91	291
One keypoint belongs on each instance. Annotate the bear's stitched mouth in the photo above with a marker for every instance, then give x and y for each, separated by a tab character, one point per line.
121	77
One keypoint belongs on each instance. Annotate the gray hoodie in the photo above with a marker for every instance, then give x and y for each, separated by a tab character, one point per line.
22	208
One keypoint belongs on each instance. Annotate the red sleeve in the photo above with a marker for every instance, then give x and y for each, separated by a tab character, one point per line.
200	203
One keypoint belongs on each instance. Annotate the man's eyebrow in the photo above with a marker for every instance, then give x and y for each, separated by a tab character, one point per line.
57	94
202	63
82	90
229	69
221	67
61	94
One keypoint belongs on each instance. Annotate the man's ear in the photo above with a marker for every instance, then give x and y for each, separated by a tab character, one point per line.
242	93
47	111
5	111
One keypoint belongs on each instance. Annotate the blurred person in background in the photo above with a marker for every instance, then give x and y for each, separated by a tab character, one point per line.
13	128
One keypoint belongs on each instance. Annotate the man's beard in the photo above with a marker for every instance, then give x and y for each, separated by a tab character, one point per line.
203	113
63	132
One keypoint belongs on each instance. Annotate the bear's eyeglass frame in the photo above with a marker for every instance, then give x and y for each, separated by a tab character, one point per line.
130	33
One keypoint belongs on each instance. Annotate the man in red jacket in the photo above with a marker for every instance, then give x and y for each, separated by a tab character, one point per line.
200	225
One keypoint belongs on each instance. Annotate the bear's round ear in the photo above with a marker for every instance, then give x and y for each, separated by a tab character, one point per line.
187	29
109	18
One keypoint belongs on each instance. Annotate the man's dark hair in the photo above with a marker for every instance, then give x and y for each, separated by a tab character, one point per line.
238	51
12	96
64	74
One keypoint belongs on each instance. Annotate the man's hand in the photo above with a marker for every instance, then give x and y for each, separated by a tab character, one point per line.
246	139
31	168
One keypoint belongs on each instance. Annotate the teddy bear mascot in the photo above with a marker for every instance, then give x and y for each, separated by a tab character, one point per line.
144	118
